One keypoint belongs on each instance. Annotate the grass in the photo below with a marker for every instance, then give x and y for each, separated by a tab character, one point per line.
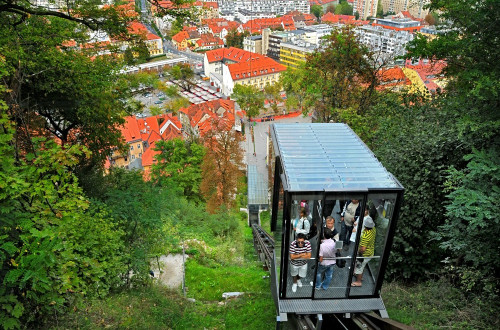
232	266
437	305
156	307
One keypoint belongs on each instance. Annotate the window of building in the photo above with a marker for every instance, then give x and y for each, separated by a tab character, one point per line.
138	146
131	147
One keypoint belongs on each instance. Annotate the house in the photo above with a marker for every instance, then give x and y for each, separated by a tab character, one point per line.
258	72
152	41
197	118
181	40
207	42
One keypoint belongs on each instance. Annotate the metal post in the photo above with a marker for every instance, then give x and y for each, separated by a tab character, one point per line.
183	270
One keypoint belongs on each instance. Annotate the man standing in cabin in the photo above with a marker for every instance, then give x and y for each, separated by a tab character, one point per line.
300	252
326	261
366	248
347	219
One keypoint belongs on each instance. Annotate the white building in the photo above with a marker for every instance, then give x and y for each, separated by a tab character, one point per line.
383	40
271	7
415	7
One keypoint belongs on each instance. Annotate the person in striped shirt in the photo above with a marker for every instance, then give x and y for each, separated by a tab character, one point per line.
366	247
300	251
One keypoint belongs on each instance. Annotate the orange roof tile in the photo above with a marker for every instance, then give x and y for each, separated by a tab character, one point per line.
254	68
130	130
231	53
180	37
140	29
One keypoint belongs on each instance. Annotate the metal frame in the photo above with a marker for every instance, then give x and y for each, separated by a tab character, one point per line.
280	181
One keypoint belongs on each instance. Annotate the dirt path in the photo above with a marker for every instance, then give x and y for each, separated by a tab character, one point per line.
171	270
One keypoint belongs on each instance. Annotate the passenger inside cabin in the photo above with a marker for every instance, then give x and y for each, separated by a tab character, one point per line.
347	219
300	252
326	261
330	224
302	225
366	247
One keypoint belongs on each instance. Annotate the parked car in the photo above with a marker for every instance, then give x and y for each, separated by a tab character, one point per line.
158	102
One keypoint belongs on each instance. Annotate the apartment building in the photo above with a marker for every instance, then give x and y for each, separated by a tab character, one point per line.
270	7
383	40
414	7
228	67
365	8
253	44
292	55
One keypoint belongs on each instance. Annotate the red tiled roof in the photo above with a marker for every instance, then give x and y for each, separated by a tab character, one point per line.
231	53
254	68
140	29
180	37
207	39
211	4
130	129
256	25
149	154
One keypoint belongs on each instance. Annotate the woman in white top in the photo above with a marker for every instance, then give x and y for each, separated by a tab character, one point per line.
302	224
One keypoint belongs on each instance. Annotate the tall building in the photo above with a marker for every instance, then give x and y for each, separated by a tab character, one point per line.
415	7
365	8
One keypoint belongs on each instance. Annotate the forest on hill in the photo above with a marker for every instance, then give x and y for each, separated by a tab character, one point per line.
70	232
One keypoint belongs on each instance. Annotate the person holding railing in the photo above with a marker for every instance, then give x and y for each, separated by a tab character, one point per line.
366	248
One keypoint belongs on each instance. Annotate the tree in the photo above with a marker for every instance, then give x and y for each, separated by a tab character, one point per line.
342	75
474	194
356	15
273	95
179	166
380	9
250	99
64	93
430	19
235	39
293	82
470	48
184	74
222	165
330	9
317	10
54	245
343	8
128	56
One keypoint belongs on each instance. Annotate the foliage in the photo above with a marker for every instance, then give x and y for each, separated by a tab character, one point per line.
330	9
179	165
380	9
235	39
470	49
474	195
53	246
140	210
343	8
317	10
417	144
184	74
438	304
342	75
249	98
222	165
64	93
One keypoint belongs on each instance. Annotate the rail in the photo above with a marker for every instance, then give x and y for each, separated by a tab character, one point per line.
263	244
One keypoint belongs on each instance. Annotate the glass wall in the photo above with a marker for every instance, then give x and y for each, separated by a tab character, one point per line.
304	237
376	221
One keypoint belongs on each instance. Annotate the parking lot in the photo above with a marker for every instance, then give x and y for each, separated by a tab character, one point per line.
201	91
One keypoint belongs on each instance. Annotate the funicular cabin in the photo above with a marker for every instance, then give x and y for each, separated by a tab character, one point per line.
319	168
